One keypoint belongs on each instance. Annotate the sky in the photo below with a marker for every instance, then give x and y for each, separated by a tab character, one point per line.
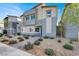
18	8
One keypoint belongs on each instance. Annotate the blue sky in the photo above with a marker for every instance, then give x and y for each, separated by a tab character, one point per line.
18	8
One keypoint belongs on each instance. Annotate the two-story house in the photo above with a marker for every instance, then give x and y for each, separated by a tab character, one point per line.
12	25
70	21
1	26
41	20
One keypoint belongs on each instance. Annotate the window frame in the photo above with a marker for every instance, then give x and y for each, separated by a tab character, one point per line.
49	13
37	29
32	16
27	18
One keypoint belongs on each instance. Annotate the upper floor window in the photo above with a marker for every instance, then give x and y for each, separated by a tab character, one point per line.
27	17
33	16
49	13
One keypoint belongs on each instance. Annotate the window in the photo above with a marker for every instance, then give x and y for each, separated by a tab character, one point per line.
27	17
49	13
33	16
36	29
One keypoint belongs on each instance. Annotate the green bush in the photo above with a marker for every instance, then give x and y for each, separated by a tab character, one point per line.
40	39
26	37
1	34
37	42
69	47
12	42
18	33
20	39
4	31
71	42
28	46
46	37
49	52
59	41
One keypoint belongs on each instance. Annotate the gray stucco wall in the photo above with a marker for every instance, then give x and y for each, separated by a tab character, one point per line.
10	29
53	28
30	21
71	31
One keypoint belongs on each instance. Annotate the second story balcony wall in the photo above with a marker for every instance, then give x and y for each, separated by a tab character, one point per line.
29	17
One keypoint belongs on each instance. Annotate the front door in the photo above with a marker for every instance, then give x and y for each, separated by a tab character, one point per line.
38	29
14	26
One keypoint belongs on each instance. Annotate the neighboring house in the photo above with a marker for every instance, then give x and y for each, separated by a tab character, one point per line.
41	20
69	21
12	25
1	26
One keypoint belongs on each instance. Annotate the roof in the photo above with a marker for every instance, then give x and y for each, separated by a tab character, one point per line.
37	6
47	6
5	18
9	16
33	8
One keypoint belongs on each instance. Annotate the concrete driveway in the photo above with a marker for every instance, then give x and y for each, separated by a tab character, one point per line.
6	50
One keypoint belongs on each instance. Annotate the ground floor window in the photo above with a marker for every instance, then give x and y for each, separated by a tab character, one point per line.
36	29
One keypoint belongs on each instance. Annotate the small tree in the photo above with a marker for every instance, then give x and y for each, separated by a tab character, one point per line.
70	15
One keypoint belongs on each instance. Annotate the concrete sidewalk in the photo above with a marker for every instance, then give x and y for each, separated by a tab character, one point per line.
6	50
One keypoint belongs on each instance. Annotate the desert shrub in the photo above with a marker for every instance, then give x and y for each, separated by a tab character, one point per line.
20	39
12	42
69	47
49	52
37	42
9	36
4	40
46	37
28	46
4	31
59	41
18	33
1	34
26	37
71	42
40	39
74	39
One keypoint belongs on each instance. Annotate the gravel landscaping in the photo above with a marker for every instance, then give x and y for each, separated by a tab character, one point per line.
56	44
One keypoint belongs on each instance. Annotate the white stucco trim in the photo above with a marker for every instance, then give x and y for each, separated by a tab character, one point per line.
48	25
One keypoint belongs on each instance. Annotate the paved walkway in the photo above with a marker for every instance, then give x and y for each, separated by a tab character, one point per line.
20	45
6	50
